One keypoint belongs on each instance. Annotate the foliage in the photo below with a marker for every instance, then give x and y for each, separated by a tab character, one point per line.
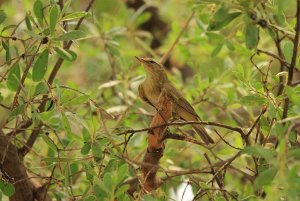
75	83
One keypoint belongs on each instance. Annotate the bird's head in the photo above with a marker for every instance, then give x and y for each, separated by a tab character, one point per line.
152	67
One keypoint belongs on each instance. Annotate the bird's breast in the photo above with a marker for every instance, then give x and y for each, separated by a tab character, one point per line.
152	91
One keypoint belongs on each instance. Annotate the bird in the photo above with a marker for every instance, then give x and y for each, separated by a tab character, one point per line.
156	80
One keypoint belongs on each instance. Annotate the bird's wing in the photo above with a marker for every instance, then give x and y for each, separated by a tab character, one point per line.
179	99
143	95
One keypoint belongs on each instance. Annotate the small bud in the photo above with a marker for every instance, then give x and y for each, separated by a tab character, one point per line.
253	16
14	38
45	40
263	23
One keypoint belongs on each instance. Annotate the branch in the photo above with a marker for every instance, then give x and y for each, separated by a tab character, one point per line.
60	60
155	143
14	169
15	101
167	54
30	142
281	60
293	62
236	129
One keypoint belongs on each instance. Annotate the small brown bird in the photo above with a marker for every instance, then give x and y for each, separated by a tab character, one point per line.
157	80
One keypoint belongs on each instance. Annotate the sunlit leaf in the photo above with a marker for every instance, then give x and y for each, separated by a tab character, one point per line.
53	18
78	100
73	16
64	54
72	35
38	11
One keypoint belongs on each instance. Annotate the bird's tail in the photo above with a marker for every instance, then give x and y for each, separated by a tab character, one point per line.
203	134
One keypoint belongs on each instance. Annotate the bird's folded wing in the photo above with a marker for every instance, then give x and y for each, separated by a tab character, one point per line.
179	99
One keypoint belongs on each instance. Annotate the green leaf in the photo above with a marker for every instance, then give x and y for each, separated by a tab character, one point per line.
38	10
89	171
122	190
41	88
294	153
265	177
66	123
86	148
251	35
122	173
217	25
288	51
78	100
54	13
2	16
12	26
72	35
5	45
86	134
229	45
107	180
73	16
16	111
28	23
49	142
200	24
34	35
253	99
293	95
7	188
66	6
258	151
142	18
64	54
13	78
67	176
217	50
96	150
40	66
90	198
221	13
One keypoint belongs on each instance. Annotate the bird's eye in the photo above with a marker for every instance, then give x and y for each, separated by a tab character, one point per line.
152	62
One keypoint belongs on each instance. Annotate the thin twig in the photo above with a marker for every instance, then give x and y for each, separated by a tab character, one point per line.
293	61
167	54
237	129
15	101
57	66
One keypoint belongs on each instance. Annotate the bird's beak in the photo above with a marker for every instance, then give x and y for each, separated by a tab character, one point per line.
140	59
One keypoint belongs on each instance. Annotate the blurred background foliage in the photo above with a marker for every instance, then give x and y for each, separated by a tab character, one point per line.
231	63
